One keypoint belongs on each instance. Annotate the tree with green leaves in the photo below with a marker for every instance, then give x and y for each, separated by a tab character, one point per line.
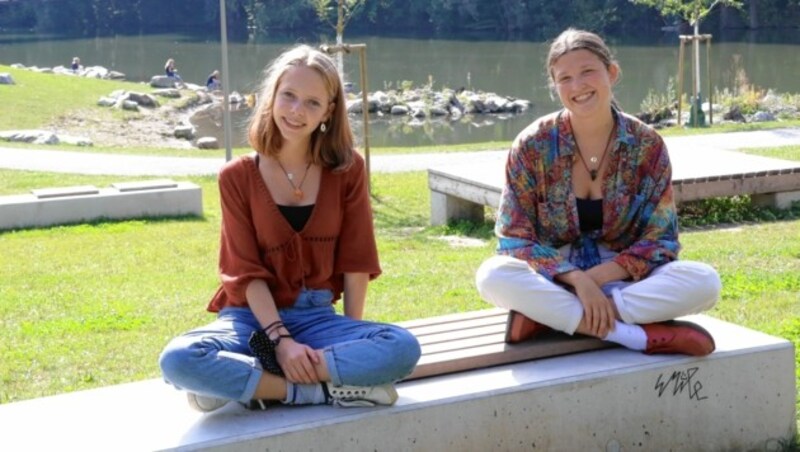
693	11
345	10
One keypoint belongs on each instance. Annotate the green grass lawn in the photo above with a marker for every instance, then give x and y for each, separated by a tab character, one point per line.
36	99
91	305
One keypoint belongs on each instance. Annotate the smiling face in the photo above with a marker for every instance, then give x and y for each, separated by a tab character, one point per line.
583	82
300	104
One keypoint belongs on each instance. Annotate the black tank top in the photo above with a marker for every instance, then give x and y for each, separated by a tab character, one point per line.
590	214
297	216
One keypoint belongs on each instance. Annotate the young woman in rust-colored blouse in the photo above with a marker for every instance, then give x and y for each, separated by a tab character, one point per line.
296	236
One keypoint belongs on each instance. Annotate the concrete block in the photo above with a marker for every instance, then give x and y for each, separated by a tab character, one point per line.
61	192
779	200
446	208
65	205
741	397
144	185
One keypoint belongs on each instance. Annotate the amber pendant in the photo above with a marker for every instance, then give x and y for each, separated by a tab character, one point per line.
593	174
299	193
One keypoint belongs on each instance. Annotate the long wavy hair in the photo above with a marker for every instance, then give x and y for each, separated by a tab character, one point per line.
332	149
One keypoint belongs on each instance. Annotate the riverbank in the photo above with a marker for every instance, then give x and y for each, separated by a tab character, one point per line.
188	115
68	105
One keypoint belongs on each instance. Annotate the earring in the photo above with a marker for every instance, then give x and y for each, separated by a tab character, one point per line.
323	128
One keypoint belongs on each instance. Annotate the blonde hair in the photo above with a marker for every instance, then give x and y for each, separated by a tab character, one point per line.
572	39
332	149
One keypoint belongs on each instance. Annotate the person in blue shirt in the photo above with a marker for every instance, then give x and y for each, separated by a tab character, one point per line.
172	72
213	83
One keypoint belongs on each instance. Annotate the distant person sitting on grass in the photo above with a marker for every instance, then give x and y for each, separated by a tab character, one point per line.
213	83
76	64
172	72
587	227
296	236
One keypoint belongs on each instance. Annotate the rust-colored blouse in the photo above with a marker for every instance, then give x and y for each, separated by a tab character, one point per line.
258	242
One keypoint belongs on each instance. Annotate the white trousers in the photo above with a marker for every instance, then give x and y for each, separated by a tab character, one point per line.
671	290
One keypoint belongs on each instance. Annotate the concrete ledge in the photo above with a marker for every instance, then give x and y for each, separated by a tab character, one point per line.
459	191
64	205
742	397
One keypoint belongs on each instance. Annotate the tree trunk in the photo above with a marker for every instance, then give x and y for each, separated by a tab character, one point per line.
340	37
753	14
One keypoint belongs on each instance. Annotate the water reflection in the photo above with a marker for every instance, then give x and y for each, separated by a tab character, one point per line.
513	68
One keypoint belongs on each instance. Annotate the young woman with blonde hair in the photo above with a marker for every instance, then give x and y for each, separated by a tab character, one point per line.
297	234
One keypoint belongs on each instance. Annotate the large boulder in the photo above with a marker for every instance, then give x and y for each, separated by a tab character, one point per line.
398	110
128	105
185	132
94	72
106	102
162	81
144	100
116	75
29	136
763	116
171	93
75	140
207	143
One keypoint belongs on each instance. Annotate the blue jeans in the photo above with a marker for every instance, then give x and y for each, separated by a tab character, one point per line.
215	359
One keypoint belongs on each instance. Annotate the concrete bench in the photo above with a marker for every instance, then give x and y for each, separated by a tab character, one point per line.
120	201
741	397
460	192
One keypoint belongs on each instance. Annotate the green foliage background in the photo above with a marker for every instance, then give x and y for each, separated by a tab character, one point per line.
525	19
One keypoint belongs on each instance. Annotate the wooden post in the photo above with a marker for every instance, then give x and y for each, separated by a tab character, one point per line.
680	80
226	113
362	60
695	70
708	77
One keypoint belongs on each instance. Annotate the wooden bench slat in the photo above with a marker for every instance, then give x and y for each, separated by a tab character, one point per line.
495	354
494	312
450	336
421	331
464	343
474	340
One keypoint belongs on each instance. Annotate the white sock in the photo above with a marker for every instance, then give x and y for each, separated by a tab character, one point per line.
304	394
628	336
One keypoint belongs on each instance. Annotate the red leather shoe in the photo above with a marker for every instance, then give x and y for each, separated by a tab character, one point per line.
677	336
520	328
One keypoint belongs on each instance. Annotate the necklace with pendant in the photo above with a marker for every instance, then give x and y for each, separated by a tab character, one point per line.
298	189
593	159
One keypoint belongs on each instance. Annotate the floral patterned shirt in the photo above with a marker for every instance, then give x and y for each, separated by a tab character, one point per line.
538	208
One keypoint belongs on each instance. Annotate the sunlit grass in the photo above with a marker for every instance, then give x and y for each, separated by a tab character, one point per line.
782	152
37	99
91	305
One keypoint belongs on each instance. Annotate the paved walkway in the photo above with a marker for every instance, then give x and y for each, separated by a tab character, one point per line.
135	165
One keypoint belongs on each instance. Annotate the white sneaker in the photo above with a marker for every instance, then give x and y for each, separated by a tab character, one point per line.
355	396
205	404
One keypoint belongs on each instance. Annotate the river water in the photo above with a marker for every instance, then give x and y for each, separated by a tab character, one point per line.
511	68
